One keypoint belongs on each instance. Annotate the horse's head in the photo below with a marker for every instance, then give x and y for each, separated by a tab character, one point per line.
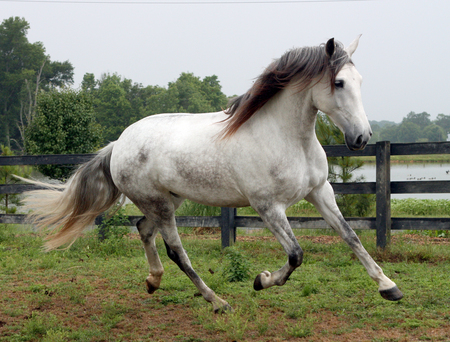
341	99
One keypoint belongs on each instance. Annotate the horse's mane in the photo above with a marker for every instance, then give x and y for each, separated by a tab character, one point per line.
306	64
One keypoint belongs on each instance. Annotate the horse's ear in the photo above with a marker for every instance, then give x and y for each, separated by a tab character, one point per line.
330	47
352	47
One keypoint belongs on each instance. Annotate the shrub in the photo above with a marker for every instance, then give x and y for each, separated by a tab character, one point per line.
64	124
237	268
113	227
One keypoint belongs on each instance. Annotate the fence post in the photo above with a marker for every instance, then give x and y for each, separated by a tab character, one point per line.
228	226
98	222
383	193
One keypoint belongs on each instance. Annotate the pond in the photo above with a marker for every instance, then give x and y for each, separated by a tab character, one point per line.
411	172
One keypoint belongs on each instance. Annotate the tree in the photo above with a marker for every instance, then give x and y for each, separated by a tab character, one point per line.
89	83
434	133
408	132
340	169
420	119
64	124
198	96
159	100
389	133
10	202
443	121
113	109
119	102
24	69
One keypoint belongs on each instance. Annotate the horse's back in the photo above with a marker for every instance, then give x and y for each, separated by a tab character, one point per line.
179	153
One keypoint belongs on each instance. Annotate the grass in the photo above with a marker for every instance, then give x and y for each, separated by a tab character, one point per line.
425	158
408	207
87	293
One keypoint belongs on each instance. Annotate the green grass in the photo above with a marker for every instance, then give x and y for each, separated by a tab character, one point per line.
88	293
409	207
426	158
412	207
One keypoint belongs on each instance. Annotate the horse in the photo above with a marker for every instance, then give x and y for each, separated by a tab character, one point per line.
261	151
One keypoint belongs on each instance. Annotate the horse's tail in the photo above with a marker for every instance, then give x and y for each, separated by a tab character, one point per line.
68	209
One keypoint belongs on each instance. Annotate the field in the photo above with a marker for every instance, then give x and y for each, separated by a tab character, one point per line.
425	158
95	290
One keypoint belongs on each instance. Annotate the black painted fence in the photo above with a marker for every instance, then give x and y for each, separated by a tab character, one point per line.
228	220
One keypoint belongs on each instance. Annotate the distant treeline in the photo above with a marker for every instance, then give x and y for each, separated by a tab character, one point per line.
41	113
27	74
415	127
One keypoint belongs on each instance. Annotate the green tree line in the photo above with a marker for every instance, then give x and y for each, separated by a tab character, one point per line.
415	127
118	102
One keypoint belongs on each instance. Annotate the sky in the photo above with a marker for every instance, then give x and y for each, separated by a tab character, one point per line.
403	54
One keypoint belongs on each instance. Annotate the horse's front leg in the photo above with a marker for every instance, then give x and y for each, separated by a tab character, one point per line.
277	222
324	200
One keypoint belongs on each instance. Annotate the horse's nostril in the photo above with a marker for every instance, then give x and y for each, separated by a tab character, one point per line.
359	140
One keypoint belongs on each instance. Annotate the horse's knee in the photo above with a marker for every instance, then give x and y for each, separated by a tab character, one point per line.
296	257
144	230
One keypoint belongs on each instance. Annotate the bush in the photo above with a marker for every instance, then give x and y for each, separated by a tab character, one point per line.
114	227
237	268
64	124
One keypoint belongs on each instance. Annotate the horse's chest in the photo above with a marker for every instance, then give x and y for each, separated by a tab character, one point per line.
296	180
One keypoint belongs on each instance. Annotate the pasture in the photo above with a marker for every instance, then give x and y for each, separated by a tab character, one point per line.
95	290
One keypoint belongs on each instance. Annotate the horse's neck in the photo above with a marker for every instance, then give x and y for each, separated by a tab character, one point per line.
291	114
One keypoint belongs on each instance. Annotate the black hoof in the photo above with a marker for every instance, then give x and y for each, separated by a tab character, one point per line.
150	288
224	310
257	285
392	294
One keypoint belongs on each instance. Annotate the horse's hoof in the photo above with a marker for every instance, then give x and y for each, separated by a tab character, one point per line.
258	283
224	309
392	294
150	288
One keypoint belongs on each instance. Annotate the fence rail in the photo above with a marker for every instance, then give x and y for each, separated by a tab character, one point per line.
383	223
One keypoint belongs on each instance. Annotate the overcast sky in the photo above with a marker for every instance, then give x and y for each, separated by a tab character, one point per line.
403	53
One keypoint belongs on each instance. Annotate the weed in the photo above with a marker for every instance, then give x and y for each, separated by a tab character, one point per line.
56	335
262	325
113	227
298	331
238	267
296	312
411	323
173	299
38	325
308	290
234	325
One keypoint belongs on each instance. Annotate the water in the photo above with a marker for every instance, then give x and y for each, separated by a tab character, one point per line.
414	172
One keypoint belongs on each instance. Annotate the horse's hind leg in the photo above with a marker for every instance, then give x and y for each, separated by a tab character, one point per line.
148	232
162	212
323	199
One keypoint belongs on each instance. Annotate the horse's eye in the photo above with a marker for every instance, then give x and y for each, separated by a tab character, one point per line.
339	84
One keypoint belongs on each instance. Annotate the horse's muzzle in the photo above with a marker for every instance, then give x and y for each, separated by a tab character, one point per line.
357	143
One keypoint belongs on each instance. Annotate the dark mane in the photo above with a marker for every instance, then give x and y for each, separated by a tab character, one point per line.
306	63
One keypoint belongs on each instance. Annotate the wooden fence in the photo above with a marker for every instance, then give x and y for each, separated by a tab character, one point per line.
228	220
